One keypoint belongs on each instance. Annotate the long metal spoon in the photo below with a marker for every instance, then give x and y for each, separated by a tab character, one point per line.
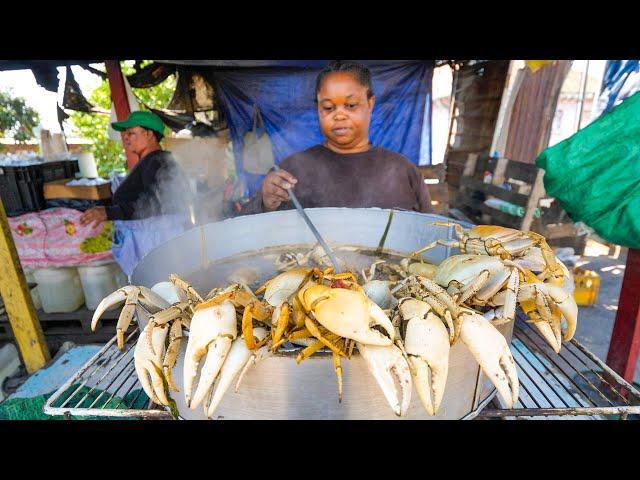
314	230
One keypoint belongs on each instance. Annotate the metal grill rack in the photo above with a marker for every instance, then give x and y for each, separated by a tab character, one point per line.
572	384
106	386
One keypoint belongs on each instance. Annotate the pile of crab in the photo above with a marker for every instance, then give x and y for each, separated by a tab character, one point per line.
402	318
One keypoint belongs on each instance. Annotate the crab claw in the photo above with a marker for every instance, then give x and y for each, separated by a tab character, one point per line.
548	333
567	305
132	295
427	345
491	351
211	332
350	314
149	364
239	356
383	363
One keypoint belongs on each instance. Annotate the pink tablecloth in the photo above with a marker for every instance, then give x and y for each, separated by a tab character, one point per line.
53	238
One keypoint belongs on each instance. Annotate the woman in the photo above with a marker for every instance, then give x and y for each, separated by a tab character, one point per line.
346	170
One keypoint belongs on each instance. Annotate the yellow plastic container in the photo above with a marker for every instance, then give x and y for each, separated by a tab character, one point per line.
587	283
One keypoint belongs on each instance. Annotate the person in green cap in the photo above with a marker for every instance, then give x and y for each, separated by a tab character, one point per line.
153	184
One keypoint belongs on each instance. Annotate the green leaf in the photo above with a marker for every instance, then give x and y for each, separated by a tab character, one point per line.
109	155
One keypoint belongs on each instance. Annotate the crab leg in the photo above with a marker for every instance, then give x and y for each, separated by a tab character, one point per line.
175	340
128	311
247	329
338	369
107	303
168	314
187	292
296	335
315	331
280	321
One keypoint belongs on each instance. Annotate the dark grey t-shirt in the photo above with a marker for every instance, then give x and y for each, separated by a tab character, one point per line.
375	178
155	186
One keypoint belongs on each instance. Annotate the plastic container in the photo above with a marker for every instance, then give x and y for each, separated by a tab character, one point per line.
56	170
97	282
87	165
60	289
21	189
121	277
587	286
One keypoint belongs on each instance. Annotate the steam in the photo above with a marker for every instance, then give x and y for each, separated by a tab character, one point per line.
191	192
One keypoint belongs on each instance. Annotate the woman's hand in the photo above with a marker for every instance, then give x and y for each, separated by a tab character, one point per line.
94	215
274	189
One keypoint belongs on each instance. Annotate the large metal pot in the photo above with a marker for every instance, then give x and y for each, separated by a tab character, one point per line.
277	387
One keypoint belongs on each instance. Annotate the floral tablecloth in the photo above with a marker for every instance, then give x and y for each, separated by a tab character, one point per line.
55	238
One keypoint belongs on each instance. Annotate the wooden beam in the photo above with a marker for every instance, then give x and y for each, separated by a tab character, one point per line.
120	101
18	303
537	192
625	339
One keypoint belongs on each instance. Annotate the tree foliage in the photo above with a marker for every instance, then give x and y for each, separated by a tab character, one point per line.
17	119
109	154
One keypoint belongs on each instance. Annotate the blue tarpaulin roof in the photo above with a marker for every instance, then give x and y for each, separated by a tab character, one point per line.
284	91
621	80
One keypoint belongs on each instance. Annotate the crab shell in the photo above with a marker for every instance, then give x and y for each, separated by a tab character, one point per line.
465	268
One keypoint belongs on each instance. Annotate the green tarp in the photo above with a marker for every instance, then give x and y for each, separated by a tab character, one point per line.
595	174
31	408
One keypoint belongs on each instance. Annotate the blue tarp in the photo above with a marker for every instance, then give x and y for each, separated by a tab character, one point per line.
285	94
621	80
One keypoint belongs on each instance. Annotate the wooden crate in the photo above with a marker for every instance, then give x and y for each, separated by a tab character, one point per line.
527	191
60	189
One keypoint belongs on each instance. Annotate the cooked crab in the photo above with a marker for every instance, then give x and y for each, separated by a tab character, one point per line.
526	248
485	342
483	280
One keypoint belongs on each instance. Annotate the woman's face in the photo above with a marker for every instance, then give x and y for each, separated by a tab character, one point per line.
344	112
138	140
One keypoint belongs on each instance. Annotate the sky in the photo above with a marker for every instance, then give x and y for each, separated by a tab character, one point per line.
23	84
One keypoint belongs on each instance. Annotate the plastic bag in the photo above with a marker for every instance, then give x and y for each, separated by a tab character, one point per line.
257	154
595	174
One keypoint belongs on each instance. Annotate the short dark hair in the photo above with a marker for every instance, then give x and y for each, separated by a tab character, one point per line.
358	70
158	135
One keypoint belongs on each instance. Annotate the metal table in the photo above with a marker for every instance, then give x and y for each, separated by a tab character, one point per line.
572	384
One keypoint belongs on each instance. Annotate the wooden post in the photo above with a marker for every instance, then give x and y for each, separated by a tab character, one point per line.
120	101
537	191
625	339
17	301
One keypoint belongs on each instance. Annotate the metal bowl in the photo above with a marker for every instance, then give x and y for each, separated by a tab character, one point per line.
277	387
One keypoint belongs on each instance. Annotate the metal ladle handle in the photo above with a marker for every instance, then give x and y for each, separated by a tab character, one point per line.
314	230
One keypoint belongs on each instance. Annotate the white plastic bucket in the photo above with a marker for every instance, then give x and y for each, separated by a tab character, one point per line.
97	283
87	165
59	289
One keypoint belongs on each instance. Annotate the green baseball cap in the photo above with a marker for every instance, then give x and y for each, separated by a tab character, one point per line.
140	119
